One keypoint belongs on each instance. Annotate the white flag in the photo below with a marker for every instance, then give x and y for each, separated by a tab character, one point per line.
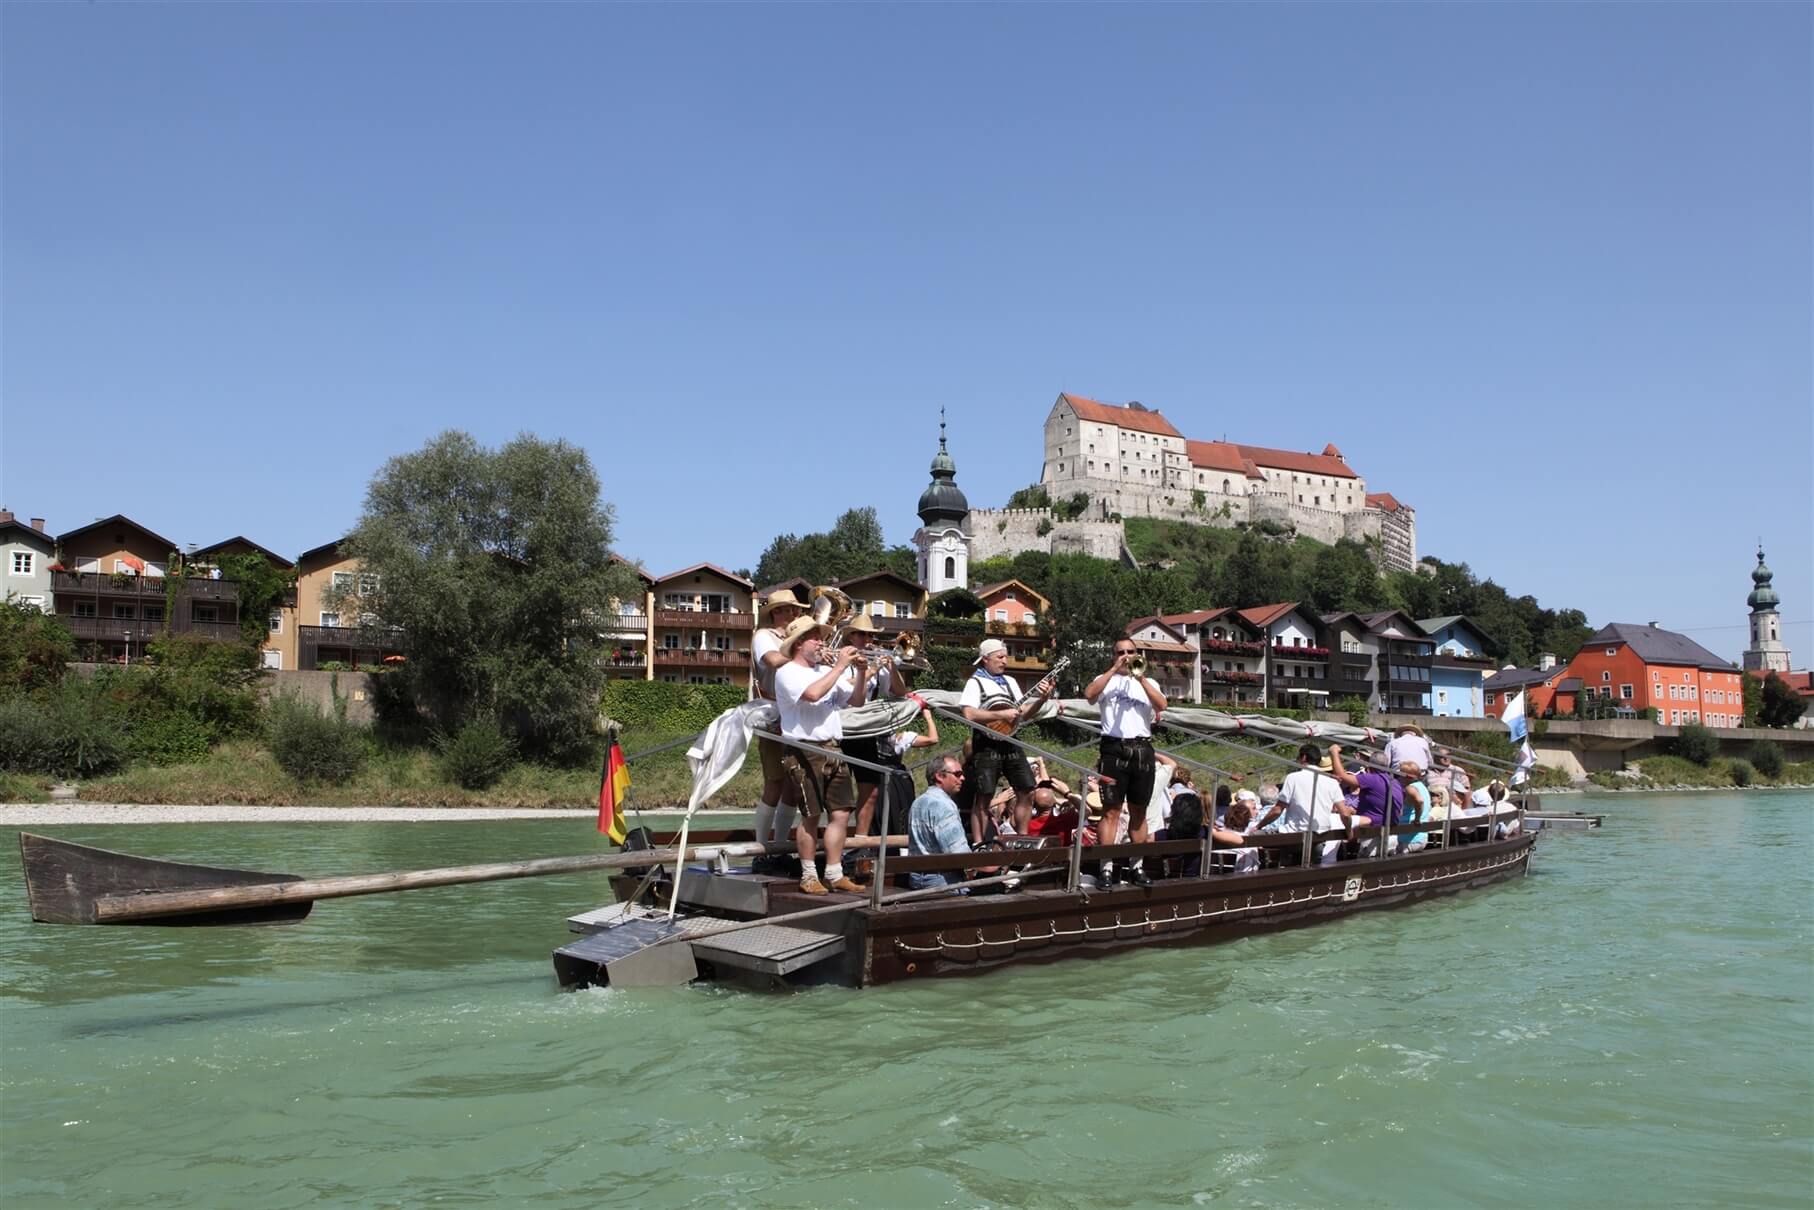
1527	760
1513	718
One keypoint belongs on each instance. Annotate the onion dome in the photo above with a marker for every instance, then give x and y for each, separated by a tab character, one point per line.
942	504
1762	596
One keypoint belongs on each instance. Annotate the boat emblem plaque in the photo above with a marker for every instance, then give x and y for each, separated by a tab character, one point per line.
1351	891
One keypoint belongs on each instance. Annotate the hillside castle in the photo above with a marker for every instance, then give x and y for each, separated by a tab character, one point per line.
1131	462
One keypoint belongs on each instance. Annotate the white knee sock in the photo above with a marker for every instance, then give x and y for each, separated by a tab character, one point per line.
765	820
785	817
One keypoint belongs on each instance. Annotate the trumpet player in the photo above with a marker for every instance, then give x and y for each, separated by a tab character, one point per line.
1128	702
808	696
884	681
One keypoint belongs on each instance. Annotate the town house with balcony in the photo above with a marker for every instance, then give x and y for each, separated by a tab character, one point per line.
1171	659
1548	689
1014	613
628	629
893	602
704	622
1458	674
325	626
1406	662
1297	659
26	553
118	584
1353	658
205	561
1231	656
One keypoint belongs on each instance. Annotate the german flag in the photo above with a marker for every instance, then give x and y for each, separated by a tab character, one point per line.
612	785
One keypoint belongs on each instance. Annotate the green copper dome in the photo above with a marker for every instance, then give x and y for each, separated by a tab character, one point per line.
1763	596
943	503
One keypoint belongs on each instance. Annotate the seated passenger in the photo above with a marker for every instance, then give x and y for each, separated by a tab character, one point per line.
934	826
1311	800
1378	797
1483	803
1224	798
1417	806
1235	828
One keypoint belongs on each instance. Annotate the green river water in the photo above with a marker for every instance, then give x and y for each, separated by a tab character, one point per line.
1631	1025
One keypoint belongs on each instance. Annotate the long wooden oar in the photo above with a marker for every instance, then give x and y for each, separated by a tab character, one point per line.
77	884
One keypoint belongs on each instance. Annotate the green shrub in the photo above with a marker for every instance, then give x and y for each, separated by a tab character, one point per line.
169	738
87	738
312	745
1696	743
1767	756
26	735
35	647
657	705
1356	709
475	756
1741	772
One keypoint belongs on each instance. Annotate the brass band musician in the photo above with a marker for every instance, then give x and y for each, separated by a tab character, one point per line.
1128	703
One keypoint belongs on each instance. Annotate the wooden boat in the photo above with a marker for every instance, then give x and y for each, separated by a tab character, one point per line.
748	927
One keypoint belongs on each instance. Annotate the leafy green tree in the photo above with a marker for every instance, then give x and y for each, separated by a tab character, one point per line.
35	648
1779	705
1752	691
262	587
1253	575
493	565
1342	577
1030	497
852	547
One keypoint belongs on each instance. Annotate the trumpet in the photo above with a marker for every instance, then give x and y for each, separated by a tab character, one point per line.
1136	665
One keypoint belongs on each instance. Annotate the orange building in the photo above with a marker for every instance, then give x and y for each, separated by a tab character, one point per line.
1646	666
1014	613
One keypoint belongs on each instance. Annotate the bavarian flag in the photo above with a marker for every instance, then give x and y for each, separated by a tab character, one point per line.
615	781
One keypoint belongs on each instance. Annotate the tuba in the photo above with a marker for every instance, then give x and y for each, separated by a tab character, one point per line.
907	651
831	607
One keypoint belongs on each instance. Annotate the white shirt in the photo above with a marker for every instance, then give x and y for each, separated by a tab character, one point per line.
1402	748
801	719
1159	806
1126	711
879	679
1309	798
972	695
765	641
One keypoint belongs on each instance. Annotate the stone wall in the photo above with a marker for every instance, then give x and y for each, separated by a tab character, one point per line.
1008	531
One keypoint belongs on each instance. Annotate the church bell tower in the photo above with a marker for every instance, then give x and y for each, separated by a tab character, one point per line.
1766	652
943	538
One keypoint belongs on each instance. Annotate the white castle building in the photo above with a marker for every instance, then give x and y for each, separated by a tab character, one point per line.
1131	461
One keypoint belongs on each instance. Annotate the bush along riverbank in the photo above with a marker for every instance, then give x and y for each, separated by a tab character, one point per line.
1695	764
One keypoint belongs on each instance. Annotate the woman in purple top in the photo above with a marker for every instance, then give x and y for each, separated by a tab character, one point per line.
1378	797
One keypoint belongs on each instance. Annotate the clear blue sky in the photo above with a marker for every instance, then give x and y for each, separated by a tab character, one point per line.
1541	271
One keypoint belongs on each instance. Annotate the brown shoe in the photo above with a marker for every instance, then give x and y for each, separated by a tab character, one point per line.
848	887
810	885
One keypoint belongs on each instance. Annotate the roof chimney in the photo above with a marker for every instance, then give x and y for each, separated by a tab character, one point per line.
6	515
1653	625
37	523
1545	661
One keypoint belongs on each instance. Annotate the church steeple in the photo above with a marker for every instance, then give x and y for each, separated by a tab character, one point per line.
943	539
1766	652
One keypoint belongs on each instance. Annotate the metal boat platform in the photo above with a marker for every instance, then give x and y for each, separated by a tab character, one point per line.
1570	821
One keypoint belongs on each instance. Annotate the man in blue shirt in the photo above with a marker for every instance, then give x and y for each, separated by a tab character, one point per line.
933	823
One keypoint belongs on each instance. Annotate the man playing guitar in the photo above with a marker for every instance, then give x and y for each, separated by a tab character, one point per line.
992	698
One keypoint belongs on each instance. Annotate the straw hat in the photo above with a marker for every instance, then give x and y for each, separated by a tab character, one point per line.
798	629
1409	729
988	648
781	596
860	624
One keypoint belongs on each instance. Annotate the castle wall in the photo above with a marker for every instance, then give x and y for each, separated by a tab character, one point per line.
1008	531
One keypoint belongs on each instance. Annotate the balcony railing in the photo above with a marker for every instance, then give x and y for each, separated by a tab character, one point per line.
699	655
625	623
1346	688
1232	647
1357	659
116	630
689	619
125	584
1280	681
1282	652
1218	676
1025	630
364	639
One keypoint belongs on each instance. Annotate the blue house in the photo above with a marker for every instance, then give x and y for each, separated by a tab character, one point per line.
1460	667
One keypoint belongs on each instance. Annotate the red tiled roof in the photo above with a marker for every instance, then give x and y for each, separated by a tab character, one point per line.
1309	464
1196	618
1221	456
1802	682
985	593
1162	645
1265	615
1386	502
1331	451
1124	417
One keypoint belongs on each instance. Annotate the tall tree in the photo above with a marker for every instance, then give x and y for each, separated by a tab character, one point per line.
1779	704
852	547
495	566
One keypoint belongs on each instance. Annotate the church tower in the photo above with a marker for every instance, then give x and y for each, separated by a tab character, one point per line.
1766	652
943	538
